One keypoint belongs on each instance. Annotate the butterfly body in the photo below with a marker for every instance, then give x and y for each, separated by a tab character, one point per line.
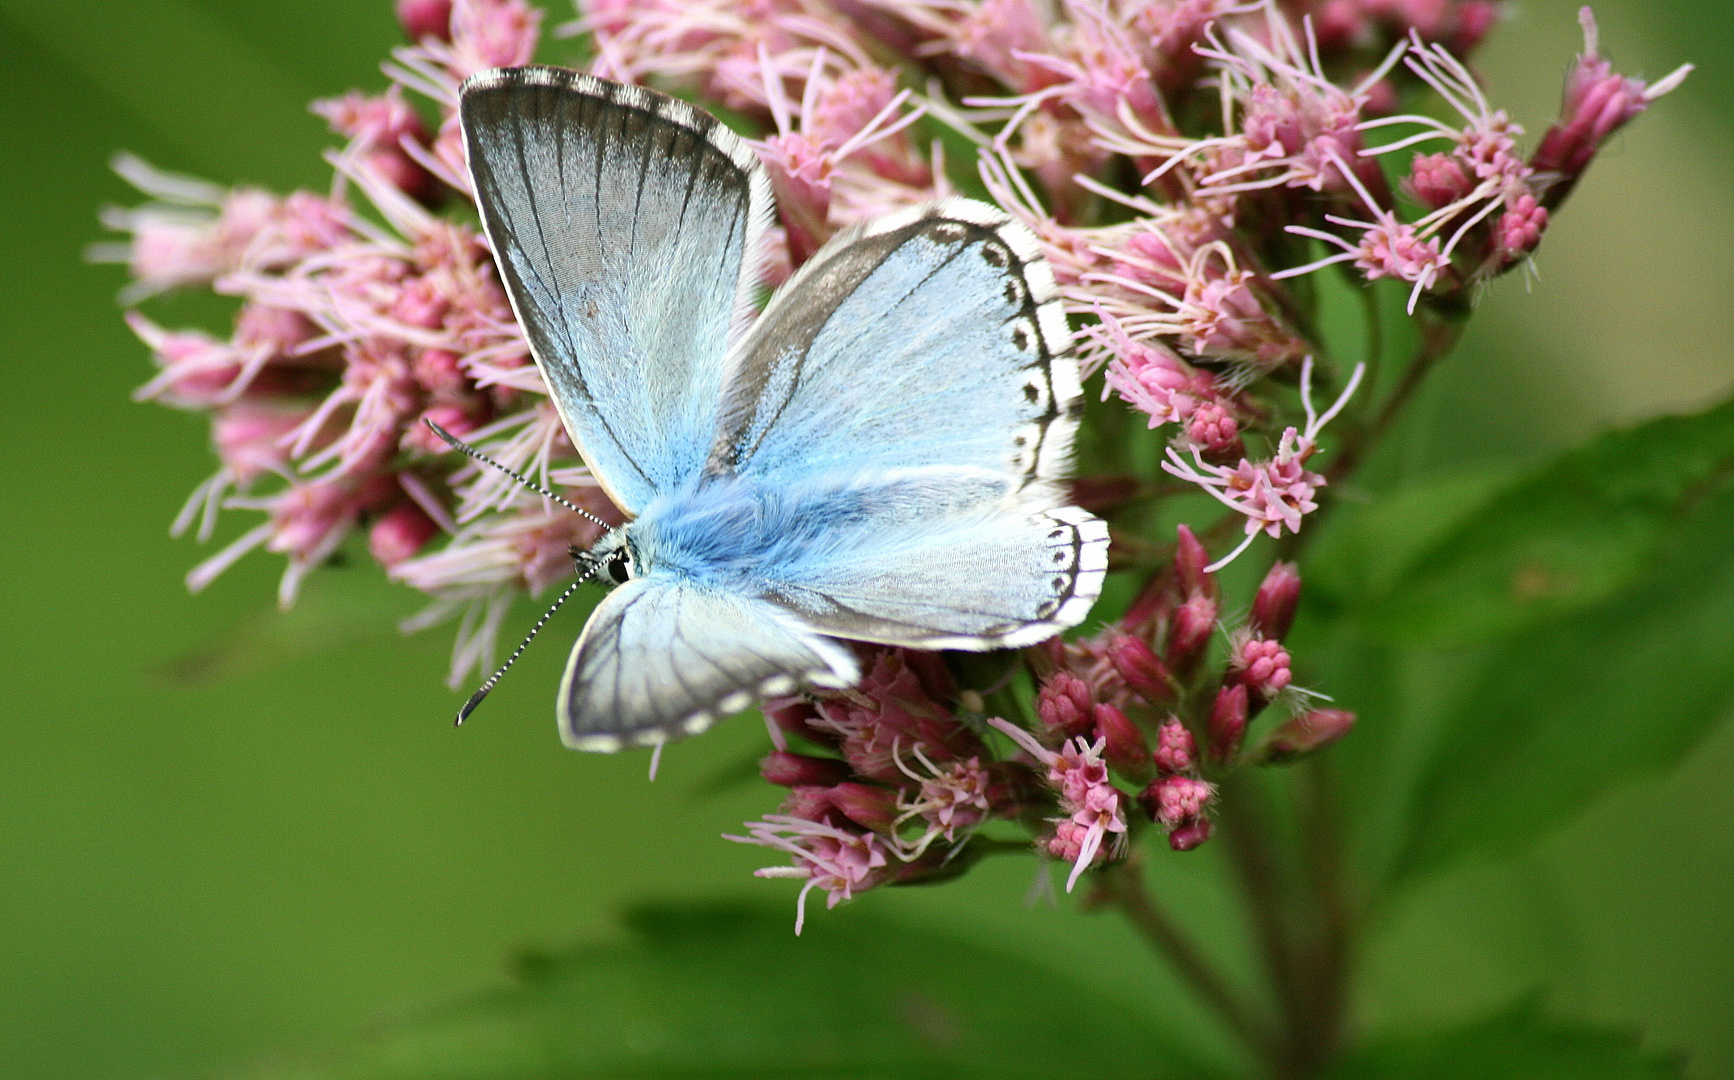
877	457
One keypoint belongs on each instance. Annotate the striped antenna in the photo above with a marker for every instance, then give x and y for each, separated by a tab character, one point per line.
464	447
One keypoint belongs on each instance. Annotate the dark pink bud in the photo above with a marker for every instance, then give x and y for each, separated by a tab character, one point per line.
802	770
1263	666
867	805
1273	607
1520	228
1190	835
400	533
1227	722
1127	750
1190	559
1189	634
1176	800
1141	670
1175	748
1437	180
425	18
1213	429
1065	706
1474	19
931	673
1304	734
1598	102
808	802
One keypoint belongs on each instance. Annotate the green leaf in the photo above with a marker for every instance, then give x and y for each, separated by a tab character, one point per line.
1616	689
1571	535
1518	1045
715	991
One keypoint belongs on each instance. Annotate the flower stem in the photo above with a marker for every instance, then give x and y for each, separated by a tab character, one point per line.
1261	883
1438	338
1124	886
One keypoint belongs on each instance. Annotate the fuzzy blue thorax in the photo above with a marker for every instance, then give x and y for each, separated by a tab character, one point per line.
736	532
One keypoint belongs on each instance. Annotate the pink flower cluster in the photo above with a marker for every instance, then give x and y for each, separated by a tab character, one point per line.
891	784
896	784
1183	163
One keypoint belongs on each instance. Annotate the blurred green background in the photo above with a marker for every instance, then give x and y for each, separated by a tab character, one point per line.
230	835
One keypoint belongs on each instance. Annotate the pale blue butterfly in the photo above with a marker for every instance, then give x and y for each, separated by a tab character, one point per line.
878	457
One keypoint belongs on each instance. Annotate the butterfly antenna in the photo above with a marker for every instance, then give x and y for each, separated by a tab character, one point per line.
458	444
476	698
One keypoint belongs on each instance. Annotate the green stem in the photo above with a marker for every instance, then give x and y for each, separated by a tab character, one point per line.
1124	886
1438	337
1261	883
1325	989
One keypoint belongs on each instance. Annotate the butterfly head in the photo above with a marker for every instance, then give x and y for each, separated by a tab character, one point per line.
612	561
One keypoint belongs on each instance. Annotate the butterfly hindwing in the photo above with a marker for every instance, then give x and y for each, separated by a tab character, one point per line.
930	337
626	225
662	658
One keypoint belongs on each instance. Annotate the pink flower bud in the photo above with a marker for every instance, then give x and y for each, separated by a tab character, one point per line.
1214	431
867	805
1437	180
799	770
438	372
425	18
404	530
1263	667
277	330
1227	723
1190	559
934	678
249	437
1127	750
1520	228
1597	103
1176	800
1189	633
1142	670
1273	607
1190	835
1304	734
1065	706
1175	748
1474	19
808	802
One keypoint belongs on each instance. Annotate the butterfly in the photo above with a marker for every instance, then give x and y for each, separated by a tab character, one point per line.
879	456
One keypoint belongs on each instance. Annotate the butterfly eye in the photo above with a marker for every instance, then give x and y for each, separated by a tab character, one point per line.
619	566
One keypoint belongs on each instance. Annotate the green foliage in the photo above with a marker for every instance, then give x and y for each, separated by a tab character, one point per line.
715	991
1569	536
1600	591
1518	1045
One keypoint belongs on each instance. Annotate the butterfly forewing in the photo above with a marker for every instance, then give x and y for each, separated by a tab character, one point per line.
626	225
932	337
